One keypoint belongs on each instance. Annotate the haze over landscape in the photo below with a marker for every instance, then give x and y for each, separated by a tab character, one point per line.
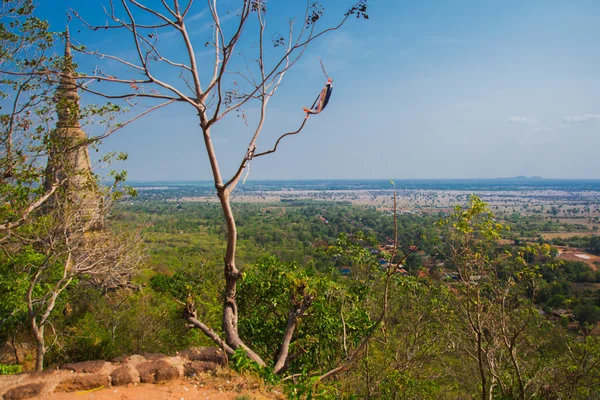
427	89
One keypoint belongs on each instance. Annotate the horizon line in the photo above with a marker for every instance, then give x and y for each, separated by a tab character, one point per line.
534	179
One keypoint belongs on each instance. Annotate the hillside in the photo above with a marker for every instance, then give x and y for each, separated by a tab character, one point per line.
197	373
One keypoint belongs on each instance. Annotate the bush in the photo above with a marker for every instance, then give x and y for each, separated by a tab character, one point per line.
106	326
588	315
6	369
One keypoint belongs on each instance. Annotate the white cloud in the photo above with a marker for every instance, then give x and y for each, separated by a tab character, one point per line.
522	120
582	118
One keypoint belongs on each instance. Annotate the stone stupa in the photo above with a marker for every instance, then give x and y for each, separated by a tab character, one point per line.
68	162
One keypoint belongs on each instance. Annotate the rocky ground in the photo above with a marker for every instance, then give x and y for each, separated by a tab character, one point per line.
197	373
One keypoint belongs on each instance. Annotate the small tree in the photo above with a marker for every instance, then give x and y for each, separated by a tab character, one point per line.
64	248
495	300
25	93
222	94
51	201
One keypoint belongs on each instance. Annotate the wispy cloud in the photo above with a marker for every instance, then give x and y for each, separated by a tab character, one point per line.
529	124
581	118
210	24
196	16
522	120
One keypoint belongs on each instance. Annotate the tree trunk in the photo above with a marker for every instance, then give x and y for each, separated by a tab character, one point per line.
232	274
481	366
14	346
287	338
40	348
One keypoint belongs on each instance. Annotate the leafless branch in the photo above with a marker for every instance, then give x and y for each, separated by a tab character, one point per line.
124	124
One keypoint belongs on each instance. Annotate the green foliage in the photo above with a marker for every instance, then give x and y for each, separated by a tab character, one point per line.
496	293
241	363
418	329
419	354
17	271
197	281
588	315
403	385
13	286
303	388
475	221
594	245
422	350
97	326
270	289
10	369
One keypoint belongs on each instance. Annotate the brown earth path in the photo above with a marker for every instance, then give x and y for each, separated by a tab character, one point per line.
181	389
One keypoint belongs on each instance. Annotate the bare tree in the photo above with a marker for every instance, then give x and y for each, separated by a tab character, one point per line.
66	246
256	79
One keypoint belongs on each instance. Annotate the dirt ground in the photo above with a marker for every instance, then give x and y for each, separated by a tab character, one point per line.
102	380
571	254
180	389
566	235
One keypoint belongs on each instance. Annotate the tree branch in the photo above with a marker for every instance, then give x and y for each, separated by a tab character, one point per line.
274	149
295	313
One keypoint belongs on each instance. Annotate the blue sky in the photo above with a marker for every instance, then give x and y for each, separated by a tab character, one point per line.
423	89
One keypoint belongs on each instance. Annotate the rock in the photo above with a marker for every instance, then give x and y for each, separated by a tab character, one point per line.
156	371
24	392
85	366
83	382
134	360
209	354
124	376
153	356
194	368
119	359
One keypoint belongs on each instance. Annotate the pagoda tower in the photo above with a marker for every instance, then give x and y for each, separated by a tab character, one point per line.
68	162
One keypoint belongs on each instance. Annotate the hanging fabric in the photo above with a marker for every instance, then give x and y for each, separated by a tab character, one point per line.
322	100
